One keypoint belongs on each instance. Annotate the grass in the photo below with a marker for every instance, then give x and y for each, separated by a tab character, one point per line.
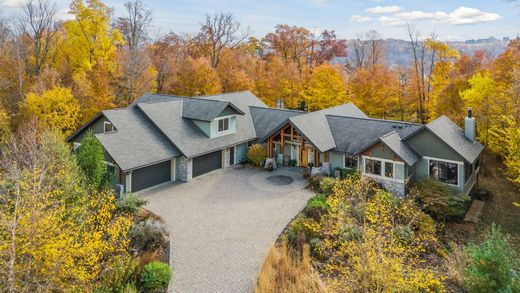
284	272
499	210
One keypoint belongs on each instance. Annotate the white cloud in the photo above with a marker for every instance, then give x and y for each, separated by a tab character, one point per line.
391	20
384	9
466	15
360	18
415	15
460	16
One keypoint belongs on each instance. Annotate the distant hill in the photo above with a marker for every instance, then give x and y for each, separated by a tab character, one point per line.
398	52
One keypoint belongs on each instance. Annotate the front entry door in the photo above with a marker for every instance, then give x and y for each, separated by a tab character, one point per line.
305	157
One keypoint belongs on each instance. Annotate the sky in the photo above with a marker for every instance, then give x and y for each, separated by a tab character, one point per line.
449	20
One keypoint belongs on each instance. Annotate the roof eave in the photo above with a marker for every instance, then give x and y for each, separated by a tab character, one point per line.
84	126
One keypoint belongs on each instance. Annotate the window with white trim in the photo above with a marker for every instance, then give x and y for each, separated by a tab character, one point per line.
380	167
389	169
108	127
350	162
223	125
444	172
373	167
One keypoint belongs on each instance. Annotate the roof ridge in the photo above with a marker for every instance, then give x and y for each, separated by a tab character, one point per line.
390	133
278	109
163	94
227	93
375	119
156	102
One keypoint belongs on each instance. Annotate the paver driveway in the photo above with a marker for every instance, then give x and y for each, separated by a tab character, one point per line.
222	224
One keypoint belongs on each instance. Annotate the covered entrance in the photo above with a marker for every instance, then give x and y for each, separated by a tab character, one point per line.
293	146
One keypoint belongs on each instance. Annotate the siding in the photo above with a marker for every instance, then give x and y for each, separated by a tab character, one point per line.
429	145
97	127
204	126
336	160
381	151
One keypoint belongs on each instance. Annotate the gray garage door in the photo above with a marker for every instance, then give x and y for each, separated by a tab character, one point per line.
207	163
150	176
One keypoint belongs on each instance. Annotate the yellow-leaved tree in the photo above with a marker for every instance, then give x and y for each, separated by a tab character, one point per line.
56	108
55	233
196	77
325	87
482	97
376	91
443	100
91	46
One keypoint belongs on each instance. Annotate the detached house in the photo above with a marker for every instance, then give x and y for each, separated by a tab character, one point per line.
164	138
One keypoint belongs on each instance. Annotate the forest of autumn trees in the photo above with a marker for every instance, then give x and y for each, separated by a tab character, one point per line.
64	72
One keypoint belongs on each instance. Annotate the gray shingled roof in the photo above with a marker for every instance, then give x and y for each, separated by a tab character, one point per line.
454	136
187	137
205	109
137	142
154	98
268	120
393	141
314	125
353	135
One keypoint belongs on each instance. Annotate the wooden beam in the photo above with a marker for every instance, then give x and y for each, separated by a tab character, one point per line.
282	140
292	133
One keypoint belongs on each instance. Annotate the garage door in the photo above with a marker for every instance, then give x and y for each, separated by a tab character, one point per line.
150	176
207	163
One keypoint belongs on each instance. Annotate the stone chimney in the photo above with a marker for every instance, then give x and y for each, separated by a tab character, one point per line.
470	126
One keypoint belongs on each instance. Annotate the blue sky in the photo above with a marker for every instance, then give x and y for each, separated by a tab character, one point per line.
450	20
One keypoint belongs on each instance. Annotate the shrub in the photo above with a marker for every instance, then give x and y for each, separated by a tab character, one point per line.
317	206
256	154
309	227
348	173
91	159
130	203
327	184
148	235
156	276
314	182
122	274
439	200
492	264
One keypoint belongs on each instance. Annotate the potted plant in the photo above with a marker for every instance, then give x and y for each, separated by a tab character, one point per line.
310	165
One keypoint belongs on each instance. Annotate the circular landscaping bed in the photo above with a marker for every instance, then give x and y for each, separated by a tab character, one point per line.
279	180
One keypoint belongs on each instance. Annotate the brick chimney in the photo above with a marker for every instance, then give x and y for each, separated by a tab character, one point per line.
470	126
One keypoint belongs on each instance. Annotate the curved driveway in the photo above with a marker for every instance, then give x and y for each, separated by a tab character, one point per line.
221	225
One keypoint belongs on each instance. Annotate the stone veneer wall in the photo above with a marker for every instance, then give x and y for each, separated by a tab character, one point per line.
395	188
184	169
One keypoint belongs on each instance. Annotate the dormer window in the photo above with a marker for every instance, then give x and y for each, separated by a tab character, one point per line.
223	124
108	127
